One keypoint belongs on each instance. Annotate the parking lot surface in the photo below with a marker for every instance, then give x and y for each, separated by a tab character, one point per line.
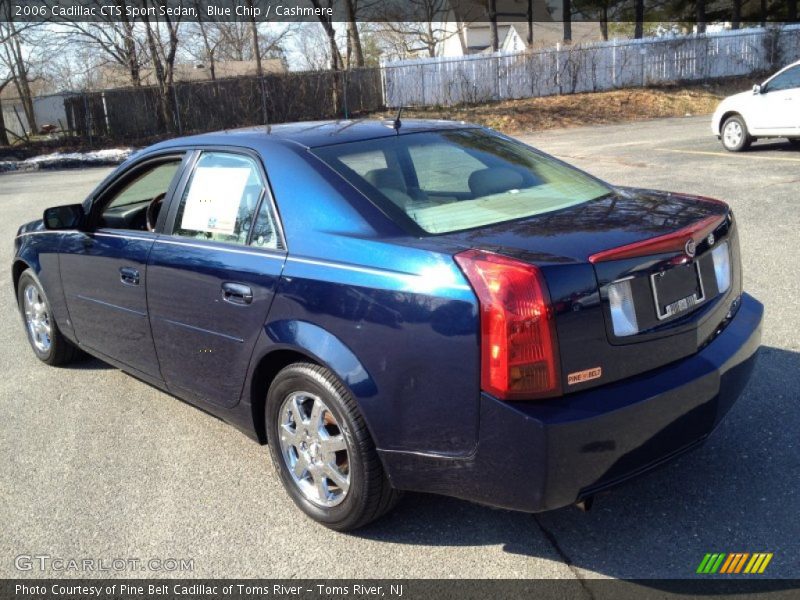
96	464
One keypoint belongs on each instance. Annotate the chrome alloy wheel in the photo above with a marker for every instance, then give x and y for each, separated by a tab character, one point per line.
37	318
314	449
733	134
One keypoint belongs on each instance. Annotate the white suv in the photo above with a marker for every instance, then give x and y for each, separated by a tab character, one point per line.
772	109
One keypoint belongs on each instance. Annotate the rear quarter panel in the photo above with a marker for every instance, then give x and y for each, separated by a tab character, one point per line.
357	291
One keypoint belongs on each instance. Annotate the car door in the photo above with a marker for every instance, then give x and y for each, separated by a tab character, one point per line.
777	107
212	276
103	267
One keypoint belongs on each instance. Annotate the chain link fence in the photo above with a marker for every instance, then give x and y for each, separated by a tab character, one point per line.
139	114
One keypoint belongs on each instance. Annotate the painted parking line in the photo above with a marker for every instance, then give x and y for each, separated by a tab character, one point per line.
730	155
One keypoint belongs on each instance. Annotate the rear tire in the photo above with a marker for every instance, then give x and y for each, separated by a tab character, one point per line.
734	134
48	343
322	450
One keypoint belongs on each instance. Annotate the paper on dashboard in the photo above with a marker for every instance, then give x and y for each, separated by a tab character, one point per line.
212	204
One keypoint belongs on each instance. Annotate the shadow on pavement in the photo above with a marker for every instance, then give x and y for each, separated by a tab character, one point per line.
90	363
735	493
775	145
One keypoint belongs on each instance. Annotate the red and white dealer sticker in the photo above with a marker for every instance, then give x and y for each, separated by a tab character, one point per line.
587	375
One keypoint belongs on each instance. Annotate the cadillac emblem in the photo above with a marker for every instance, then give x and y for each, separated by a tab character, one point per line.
690	248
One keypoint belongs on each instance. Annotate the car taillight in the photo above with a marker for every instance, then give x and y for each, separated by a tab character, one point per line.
519	352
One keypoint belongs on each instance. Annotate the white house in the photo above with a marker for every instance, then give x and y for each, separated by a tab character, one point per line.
512	37
464	29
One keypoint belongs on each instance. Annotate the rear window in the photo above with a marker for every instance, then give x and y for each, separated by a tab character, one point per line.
454	180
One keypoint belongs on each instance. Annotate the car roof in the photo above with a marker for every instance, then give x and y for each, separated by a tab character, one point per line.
312	134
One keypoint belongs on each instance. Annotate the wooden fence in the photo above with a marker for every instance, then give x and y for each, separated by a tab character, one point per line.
587	68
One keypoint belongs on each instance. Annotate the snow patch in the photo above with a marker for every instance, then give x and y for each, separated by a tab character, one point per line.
68	160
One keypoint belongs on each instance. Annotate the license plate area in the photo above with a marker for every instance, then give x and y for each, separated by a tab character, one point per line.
677	290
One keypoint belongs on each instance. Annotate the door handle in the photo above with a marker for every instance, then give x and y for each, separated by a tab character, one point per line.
129	275
237	293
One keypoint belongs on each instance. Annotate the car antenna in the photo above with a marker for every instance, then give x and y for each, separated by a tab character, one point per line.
397	122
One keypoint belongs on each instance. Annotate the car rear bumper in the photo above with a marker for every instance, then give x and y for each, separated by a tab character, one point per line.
536	456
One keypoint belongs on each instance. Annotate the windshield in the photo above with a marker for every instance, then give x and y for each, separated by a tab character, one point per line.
447	181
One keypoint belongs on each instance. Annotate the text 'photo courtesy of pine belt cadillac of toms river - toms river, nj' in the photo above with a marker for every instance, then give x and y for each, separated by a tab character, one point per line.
404	305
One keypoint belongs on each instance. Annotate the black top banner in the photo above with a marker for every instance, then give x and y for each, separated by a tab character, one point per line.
462	11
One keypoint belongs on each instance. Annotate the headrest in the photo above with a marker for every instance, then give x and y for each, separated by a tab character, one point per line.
386	178
401	199
494	180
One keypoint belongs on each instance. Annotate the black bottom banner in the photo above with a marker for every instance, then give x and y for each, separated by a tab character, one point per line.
406	589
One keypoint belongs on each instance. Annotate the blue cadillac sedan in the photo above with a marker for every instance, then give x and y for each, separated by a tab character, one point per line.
423	305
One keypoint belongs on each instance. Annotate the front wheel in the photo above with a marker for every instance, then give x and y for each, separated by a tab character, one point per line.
322	450
47	341
735	136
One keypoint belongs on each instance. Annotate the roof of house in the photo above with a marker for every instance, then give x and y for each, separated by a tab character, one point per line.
10	93
545	35
115	76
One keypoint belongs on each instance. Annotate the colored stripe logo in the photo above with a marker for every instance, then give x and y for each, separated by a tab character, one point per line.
734	562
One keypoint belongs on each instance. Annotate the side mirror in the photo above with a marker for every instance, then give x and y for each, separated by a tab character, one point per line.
756	89
70	216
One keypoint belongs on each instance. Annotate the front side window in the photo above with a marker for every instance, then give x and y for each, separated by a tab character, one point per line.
785	81
454	180
221	201
137	204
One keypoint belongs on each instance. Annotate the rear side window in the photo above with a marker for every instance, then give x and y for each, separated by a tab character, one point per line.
454	180
224	201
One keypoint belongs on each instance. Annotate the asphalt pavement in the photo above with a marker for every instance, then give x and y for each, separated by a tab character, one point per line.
96	464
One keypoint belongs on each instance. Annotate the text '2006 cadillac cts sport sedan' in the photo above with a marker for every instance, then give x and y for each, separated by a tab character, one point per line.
424	306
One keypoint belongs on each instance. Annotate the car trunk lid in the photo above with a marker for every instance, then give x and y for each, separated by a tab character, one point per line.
659	244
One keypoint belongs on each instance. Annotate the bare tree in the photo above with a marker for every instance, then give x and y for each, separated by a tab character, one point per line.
566	7
701	16
493	38
599	10
206	49
214	43
236	40
336	63
162	43
639	19
113	40
3	134
312	48
355	52
736	20
16	63
529	19
210	48
423	33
